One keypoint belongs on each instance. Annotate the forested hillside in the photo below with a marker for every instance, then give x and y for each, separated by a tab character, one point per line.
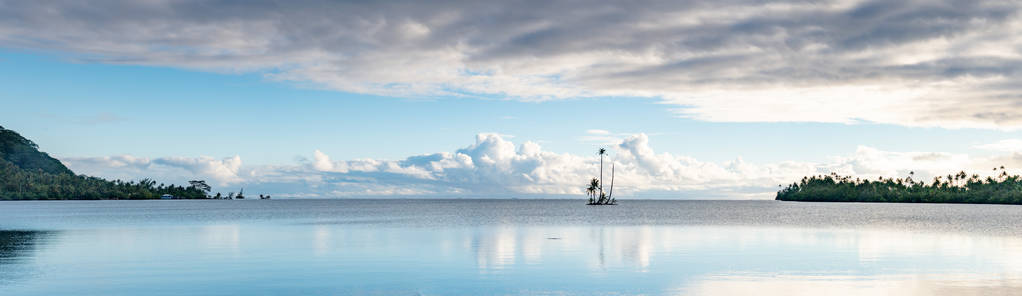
29	174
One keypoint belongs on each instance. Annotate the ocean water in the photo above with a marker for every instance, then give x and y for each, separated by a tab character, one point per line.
507	247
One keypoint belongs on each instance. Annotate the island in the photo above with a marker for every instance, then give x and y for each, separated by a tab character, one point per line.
29	174
999	188
595	186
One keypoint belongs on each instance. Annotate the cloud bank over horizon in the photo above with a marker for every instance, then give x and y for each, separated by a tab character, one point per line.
496	167
949	64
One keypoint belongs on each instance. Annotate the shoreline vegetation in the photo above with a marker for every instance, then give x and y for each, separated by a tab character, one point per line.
1000	188
29	174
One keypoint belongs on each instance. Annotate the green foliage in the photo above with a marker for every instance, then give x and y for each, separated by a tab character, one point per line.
28	174
956	188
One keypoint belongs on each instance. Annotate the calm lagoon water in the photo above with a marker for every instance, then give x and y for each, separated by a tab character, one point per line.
499	247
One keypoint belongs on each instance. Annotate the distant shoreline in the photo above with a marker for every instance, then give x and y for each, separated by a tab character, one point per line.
898	202
959	188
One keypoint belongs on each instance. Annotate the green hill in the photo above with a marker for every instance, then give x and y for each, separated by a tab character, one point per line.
29	174
25	154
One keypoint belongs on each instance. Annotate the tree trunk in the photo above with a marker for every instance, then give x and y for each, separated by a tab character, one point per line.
611	193
601	176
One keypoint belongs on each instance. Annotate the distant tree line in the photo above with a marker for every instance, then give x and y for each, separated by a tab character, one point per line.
1001	188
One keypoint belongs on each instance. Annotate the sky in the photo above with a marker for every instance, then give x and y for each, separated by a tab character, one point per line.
693	99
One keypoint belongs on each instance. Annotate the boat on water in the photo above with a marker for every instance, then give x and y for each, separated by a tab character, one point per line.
241	194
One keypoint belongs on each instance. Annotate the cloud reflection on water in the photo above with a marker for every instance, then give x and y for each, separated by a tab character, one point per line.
738	260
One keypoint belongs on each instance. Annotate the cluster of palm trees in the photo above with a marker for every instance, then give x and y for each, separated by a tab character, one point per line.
1000	188
595	186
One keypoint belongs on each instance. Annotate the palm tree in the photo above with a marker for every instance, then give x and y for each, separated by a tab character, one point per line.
594	184
601	152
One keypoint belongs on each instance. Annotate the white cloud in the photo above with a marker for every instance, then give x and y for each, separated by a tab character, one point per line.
602	137
321	161
1006	145
169	169
117	161
950	64
495	167
223	170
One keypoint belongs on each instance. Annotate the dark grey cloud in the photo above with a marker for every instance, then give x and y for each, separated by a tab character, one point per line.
722	60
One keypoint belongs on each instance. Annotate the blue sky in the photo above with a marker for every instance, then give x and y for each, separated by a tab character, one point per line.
346	104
